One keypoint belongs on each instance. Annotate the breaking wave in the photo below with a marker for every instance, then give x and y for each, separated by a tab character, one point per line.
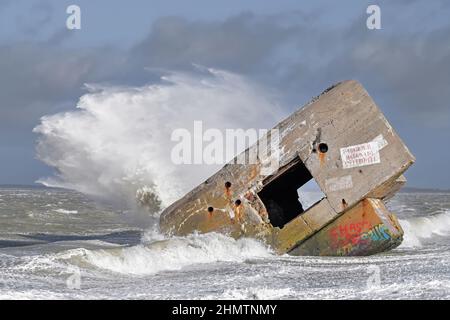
116	145
171	254
418	229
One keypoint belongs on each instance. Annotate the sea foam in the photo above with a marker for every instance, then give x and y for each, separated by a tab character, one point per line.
418	229
116	144
173	254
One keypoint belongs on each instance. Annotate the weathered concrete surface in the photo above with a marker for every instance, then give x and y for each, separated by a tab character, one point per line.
365	229
343	141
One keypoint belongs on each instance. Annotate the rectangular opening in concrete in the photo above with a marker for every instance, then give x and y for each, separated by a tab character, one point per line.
280	193
310	194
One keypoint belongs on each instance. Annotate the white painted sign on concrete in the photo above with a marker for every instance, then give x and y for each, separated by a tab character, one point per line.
381	141
339	183
360	155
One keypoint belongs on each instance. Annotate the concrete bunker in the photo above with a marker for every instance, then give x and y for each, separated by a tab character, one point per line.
350	152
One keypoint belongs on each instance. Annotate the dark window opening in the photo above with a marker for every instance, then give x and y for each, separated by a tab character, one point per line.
280	194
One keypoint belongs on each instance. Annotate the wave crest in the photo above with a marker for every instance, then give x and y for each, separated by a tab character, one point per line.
173	254
116	145
421	228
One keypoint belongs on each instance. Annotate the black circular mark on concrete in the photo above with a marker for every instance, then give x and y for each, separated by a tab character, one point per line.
323	147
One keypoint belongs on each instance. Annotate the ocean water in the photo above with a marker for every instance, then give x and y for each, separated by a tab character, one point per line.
115	146
60	244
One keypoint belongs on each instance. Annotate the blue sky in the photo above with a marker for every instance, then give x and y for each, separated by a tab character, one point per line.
295	47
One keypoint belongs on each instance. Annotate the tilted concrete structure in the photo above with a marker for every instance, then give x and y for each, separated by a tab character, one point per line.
343	141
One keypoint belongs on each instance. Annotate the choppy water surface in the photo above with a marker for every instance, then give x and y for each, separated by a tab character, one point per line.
59	244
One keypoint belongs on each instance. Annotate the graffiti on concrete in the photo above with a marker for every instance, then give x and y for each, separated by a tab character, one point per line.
378	233
349	237
348	233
